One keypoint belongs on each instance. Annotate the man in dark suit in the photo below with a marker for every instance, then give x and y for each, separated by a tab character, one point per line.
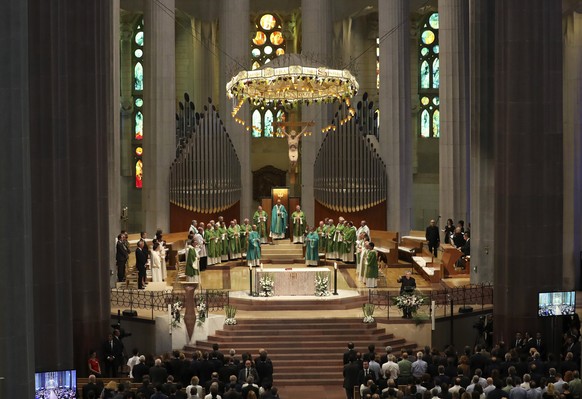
349	352
407	287
227	370
139	370
109	357
158	374
140	264
91	386
351	372
366	374
247	371
121	256
264	368
433	237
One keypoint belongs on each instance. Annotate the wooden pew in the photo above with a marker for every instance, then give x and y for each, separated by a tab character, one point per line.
428	267
410	245
386	244
450	257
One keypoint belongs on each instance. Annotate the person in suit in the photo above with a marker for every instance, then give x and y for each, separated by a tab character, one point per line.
139	370
407	287
264	368
121	255
247	371
433	237
250	386
349	352
158	374
109	357
140	264
365	374
91	386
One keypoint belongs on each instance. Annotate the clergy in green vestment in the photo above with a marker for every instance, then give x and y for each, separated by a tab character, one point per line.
329	239
192	264
312	248
223	234
338	239
234	240
278	221
321	233
349	243
254	249
363	256
371	267
210	243
245	230
298	220
260	219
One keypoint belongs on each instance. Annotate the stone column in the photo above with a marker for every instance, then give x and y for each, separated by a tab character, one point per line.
395	135
160	112
235	43
454	109
572	149
17	315
528	162
317	36
70	113
482	15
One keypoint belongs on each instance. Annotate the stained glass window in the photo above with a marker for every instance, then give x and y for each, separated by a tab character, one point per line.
138	81
429	76
267	43
378	63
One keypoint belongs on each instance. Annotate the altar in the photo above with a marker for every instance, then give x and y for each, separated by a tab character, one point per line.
293	281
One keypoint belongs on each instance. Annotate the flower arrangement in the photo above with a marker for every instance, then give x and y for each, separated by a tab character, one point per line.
321	285
411	302
230	315
176	314
368	309
201	310
267	283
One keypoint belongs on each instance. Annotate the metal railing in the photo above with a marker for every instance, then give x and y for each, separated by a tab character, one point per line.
159	300
471	294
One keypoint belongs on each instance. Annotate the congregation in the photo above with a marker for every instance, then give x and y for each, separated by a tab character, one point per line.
524	369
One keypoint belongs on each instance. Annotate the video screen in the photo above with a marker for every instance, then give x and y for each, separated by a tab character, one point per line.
557	303
56	384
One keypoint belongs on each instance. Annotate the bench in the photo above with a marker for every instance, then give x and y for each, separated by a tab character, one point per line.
386	244
427	268
409	246
450	257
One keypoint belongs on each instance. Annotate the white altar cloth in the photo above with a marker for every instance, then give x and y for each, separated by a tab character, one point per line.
294	281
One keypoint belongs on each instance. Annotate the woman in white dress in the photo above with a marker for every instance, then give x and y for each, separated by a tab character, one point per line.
156	263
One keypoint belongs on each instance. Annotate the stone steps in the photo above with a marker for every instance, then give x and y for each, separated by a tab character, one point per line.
329	303
304	351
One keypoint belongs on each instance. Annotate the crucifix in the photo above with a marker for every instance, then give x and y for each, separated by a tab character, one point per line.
293	138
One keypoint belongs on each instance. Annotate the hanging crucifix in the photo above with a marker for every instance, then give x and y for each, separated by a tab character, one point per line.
293	138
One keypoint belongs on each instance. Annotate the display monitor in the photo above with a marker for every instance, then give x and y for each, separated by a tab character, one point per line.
60	384
556	303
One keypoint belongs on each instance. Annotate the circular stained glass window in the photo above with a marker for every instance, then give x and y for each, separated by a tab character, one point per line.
139	38
268	50
424	100
260	38
436	101
280	51
433	21
138	102
256	52
268	22
436	49
427	37
138	53
139	151
276	38
424	51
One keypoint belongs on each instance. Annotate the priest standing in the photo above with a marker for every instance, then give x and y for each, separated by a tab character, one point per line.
260	219
298	218
254	248
278	221
192	264
371	266
312	250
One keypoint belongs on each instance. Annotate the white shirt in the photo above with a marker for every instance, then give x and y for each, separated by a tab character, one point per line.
132	362
390	370
199	392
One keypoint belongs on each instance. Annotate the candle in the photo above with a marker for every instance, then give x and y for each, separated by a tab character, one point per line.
261	266
335	265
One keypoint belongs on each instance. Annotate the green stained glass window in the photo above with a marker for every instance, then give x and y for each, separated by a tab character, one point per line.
139	37
138	102
268	126
429	76
257	123
138	76
138	53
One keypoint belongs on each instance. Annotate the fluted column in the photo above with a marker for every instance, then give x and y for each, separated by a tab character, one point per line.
454	109
395	134
16	296
317	37
572	149
528	162
160	112
482	14
235	43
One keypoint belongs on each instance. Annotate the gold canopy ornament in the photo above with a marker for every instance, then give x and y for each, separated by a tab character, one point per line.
290	79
